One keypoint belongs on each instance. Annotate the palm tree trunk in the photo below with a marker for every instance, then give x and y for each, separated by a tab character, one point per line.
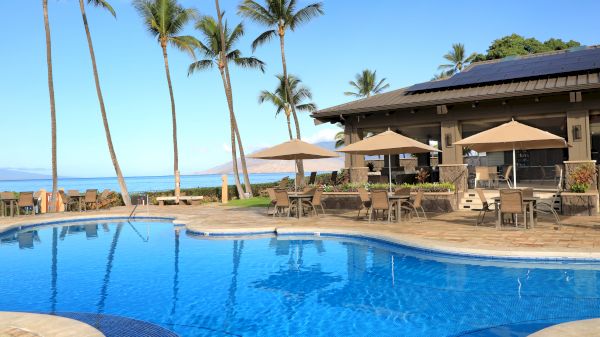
289	125
234	163
163	44
288	90
52	207
111	150
228	93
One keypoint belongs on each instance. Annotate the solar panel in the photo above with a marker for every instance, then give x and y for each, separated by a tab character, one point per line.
510	69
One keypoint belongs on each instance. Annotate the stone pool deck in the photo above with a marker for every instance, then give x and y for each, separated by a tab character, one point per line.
21	324
455	232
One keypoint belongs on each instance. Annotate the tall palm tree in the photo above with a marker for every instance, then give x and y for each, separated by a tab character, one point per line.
165	19
214	55
457	58
279	16
366	84
113	156
52	106
442	75
279	98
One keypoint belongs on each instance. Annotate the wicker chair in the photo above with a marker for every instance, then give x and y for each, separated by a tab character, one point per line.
506	176
415	206
380	202
26	203
316	201
104	199
4	197
282	203
91	199
485	207
273	197
284	182
73	199
511	202
365	201
527	192
547	207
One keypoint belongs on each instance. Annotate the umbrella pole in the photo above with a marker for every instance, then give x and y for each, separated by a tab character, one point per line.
514	168
295	175
390	170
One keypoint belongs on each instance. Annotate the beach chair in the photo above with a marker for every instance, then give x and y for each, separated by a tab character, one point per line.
416	206
380	202
91	199
26	203
485	207
511	202
313	177
365	201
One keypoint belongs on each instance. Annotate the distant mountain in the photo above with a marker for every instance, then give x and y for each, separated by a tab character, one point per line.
11	174
277	166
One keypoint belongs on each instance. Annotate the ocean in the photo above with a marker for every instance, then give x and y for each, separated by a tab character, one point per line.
134	184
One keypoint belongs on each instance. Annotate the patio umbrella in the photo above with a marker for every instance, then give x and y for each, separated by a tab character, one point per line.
513	136
294	150
387	143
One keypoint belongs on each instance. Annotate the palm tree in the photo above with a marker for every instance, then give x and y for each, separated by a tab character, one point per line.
279	16
366	84
165	19
457	59
442	75
111	149
52	106
215	56
279	98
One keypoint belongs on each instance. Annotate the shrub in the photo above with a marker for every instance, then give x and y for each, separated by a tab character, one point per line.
582	177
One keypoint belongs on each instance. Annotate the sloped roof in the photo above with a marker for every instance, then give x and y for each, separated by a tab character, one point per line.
407	98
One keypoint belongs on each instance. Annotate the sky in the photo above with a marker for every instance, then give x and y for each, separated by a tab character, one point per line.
403	40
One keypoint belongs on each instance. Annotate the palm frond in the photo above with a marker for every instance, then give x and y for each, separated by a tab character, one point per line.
310	107
200	65
103	4
186	44
257	13
305	14
249	62
263	38
349	93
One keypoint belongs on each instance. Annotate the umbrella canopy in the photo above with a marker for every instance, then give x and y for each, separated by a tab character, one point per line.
512	135
294	150
387	143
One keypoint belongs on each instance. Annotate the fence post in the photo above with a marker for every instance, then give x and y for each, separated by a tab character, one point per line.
224	189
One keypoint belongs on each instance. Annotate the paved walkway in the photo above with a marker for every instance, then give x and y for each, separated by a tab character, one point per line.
587	328
20	324
579	237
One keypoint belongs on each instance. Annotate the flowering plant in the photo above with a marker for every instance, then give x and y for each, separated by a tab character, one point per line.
582	177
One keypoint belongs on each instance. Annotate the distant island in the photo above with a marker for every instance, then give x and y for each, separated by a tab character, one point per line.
14	174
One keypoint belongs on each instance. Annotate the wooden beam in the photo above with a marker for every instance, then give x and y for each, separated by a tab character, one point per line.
575	97
442	109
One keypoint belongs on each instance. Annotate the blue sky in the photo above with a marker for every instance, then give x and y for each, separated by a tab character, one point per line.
403	40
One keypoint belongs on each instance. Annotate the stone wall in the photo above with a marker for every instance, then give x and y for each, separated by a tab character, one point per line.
456	174
359	175
409	164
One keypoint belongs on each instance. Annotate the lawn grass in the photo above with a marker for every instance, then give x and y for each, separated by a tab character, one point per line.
252	202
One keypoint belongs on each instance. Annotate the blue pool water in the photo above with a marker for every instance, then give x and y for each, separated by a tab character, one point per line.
276	286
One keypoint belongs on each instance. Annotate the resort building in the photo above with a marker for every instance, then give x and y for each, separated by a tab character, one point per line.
558	92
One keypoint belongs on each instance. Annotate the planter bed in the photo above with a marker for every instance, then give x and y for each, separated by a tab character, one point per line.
432	201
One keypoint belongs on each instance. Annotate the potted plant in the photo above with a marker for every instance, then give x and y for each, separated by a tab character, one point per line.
582	177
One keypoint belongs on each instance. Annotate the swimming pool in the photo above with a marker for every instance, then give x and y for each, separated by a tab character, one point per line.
274	286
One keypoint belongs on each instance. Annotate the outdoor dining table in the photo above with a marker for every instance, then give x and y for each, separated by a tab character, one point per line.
531	203
9	202
298	197
397	199
78	197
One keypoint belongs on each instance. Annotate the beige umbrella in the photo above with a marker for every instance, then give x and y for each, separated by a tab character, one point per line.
294	150
387	143
513	136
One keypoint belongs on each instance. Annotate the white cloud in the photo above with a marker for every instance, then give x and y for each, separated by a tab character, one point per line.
323	135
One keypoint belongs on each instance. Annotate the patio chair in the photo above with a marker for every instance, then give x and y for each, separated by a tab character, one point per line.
485	207
273	197
5	198
74	199
333	179
547	207
313	177
104	199
558	173
26	203
65	200
316	201
282	202
91	199
415	206
380	202
511	202
482	174
284	182
365	201
506	176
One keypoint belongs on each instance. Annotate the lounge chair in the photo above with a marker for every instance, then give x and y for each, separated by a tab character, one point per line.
26	203
506	176
316	201
333	179
365	201
282	203
485	207
91	199
380	202
273	197
313	177
511	202
416	206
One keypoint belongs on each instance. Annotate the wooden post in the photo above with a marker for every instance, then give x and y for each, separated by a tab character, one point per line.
224	189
